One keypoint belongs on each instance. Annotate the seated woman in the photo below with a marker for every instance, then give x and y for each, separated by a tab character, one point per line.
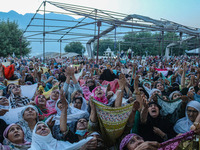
64	120
80	103
43	139
78	94
175	95
100	96
53	99
81	128
9	115
192	110
16	99
153	127
44	112
14	138
136	142
29	118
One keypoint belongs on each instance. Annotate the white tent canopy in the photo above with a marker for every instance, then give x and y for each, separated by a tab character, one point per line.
193	51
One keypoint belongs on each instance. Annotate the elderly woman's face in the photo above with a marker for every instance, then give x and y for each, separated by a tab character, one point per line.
55	95
153	110
192	113
134	142
29	114
16	90
176	96
160	87
42	129
99	92
15	134
82	124
4	101
41	100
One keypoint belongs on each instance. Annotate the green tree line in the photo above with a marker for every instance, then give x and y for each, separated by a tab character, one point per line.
12	40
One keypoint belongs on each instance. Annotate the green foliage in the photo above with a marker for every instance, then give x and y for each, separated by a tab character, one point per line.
10	35
74	47
104	44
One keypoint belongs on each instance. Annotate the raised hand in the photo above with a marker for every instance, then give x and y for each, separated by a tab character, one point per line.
51	122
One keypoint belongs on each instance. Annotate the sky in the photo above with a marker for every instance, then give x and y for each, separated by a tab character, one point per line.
185	12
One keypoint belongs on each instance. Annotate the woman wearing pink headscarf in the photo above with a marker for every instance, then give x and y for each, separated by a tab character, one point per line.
44	112
14	138
100	96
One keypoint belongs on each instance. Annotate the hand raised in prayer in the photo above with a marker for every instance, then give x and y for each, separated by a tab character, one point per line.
108	87
122	81
3	111
158	132
63	99
148	146
92	105
51	122
109	94
145	103
136	106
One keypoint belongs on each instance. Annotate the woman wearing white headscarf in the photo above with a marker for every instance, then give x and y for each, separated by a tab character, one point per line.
42	139
28	120
192	110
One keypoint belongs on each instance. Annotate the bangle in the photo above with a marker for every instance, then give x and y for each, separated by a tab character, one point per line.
119	90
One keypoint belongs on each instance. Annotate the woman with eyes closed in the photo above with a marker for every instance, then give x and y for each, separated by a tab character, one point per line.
29	118
14	139
44	112
43	140
192	110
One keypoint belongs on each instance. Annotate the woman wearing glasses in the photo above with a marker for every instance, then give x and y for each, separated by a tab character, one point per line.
192	110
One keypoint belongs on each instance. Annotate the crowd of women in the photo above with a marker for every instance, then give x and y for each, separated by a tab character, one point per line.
77	103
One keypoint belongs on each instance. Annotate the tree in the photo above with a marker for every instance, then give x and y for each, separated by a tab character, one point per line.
76	47
10	36
104	44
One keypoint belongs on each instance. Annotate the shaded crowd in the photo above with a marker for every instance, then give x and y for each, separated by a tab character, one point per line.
74	103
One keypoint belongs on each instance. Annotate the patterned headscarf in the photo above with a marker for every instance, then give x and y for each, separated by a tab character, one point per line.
126	139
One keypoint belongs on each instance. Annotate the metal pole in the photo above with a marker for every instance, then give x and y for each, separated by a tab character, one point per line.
92	52
60	47
98	24
44	33
115	45
162	43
